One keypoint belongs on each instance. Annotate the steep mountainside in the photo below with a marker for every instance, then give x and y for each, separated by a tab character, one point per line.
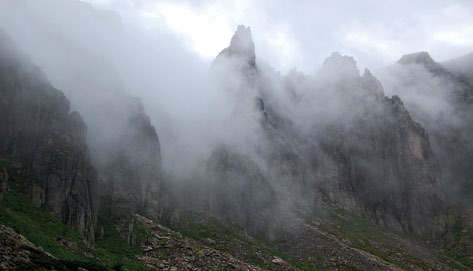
461	66
384	166
42	145
345	143
366	153
443	103
254	176
306	172
124	145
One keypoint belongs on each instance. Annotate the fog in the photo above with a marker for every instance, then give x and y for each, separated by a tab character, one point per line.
95	59
291	131
440	101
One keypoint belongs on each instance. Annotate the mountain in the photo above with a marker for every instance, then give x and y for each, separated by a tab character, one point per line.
124	146
326	171
254	175
461	65
366	152
440	100
43	145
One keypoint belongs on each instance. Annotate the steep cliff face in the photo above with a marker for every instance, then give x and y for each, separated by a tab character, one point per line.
384	169
339	138
256	175
124	146
442	102
365	151
131	168
240	193
43	145
384	162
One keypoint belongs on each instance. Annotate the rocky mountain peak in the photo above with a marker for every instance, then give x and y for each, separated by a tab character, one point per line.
242	42
339	66
241	45
421	58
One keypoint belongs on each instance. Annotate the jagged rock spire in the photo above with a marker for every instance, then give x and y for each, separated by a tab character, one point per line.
241	45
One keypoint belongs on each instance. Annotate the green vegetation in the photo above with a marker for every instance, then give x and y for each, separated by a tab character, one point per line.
456	247
364	235
69	247
232	240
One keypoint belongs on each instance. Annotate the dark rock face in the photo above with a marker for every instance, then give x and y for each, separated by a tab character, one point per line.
131	173
347	144
365	151
240	193
124	146
443	103
251	184
384	169
46	143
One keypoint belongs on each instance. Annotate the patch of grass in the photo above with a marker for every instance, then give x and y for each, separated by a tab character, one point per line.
41	228
231	239
38	226
364	235
456	253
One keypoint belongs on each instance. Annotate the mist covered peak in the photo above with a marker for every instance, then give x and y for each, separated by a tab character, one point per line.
423	59
416	58
242	40
339	66
241	46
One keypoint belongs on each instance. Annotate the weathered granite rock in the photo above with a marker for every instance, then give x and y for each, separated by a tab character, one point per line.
45	141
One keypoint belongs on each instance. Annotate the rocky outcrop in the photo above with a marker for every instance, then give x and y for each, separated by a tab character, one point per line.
442	102
131	167
44	143
18	253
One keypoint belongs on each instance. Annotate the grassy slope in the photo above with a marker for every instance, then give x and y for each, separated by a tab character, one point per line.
395	249
110	253
232	240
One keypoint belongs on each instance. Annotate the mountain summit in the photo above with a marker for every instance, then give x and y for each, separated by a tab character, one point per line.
241	45
422	58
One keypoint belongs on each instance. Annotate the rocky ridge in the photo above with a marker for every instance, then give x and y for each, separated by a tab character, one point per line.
369	156
43	145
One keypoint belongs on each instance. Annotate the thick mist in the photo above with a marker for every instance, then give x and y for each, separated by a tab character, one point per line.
97	60
236	137
439	99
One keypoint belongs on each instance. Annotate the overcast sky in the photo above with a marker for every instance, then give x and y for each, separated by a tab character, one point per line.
302	33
